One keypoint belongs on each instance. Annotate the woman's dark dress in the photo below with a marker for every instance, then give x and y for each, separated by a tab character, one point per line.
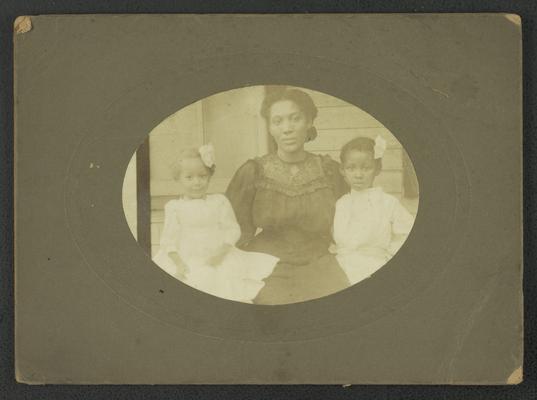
293	204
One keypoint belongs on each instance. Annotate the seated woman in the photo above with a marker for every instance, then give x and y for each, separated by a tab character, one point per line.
290	194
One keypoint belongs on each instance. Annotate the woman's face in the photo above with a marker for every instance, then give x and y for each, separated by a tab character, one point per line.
288	125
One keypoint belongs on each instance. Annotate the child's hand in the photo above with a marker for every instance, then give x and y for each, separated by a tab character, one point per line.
219	255
332	249
182	269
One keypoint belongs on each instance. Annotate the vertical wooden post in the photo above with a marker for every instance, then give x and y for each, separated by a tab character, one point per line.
143	196
271	145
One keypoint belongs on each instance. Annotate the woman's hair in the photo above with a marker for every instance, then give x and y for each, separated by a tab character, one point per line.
185	154
360	144
297	96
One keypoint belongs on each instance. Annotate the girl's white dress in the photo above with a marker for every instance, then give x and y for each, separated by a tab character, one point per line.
369	228
197	229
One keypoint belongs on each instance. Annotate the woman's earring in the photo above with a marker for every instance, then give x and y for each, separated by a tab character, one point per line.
312	133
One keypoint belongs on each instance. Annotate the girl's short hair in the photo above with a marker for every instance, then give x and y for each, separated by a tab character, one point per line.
364	144
303	101
185	154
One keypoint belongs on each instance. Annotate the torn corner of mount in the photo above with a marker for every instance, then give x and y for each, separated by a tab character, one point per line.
516	377
22	24
514	18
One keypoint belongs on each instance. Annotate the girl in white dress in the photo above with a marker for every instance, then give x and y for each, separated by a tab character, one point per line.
200	231
369	225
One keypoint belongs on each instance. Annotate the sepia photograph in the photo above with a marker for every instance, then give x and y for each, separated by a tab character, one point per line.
272	199
271	194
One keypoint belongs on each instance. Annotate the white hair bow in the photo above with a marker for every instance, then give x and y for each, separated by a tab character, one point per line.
380	147
207	154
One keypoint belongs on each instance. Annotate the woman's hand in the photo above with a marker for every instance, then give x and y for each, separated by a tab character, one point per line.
182	269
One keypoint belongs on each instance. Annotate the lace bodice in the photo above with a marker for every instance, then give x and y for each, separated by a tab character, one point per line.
274	195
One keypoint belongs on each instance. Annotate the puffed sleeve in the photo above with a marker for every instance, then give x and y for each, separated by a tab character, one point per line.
332	170
168	235
341	229
228	224
402	222
241	193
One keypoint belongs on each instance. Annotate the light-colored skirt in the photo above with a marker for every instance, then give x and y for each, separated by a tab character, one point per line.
238	277
360	264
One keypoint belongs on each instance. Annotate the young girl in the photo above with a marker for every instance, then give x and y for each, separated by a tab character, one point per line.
200	231
369	225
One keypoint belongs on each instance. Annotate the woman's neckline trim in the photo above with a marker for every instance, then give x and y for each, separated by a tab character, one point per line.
308	155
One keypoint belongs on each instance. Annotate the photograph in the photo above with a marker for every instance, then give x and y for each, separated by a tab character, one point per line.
271	194
269	199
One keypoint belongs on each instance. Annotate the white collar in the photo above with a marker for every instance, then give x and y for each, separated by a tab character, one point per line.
365	192
186	198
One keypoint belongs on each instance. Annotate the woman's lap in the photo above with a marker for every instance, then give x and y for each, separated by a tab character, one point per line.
296	283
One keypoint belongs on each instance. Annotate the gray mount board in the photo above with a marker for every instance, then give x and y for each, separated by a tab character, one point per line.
92	308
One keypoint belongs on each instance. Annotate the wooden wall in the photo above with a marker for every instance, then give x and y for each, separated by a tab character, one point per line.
231	121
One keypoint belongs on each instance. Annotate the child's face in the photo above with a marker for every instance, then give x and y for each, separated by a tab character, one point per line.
194	177
359	169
